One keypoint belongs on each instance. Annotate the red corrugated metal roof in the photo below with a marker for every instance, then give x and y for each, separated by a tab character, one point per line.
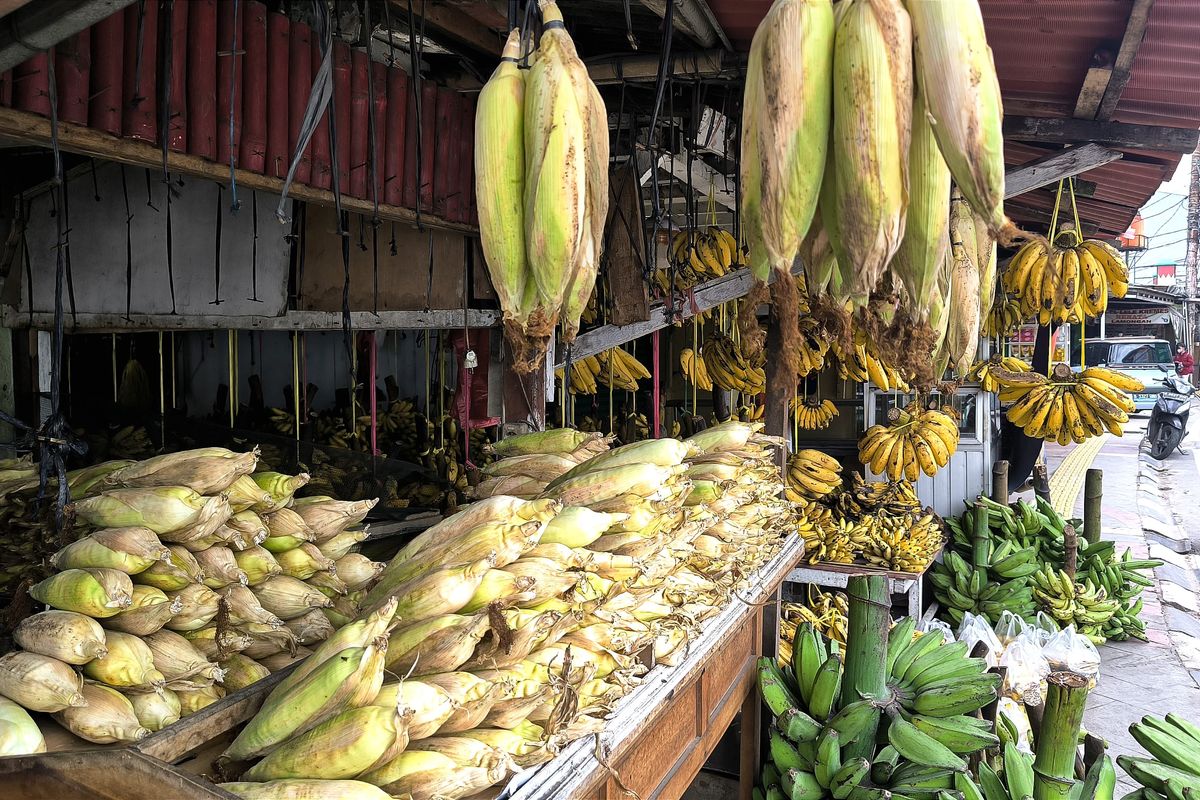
1042	50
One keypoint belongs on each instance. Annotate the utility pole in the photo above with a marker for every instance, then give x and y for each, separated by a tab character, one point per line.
1193	249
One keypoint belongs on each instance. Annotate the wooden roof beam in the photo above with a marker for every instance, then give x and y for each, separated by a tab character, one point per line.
1110	134
640	68
1109	72
1055	167
32	28
453	23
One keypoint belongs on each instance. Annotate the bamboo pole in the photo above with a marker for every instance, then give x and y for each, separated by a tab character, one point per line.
1054	765
981	541
1093	491
866	652
1000	482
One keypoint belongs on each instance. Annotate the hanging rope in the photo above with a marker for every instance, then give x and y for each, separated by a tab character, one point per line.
416	37
217	254
128	246
234	205
254	248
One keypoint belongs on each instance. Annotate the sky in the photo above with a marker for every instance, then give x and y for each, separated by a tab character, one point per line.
1165	218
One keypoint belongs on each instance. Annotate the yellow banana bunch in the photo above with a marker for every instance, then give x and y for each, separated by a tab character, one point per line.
812	347
982	371
813	474
918	440
1070	278
730	369
861	365
813	414
828	612
1004	318
583	375
751	413
694	369
1068	407
710	252
905	544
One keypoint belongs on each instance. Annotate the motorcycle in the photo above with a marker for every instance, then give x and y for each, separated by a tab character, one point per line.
1168	420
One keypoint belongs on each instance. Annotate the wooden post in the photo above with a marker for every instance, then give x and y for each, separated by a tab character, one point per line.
524	401
1000	482
1054	765
1041	482
1093	491
866	652
778	392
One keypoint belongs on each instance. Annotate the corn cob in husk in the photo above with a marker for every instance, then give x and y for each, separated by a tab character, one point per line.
244	494
305	789
503	542
64	635
217	645
310	628
429	775
198	698
200	607
128	663
128	550
304	561
207	470
19	734
872	116
220	567
39	683
952	55
107	718
441	591
342	543
279	487
245	529
787	111
357	570
430	704
241	671
287	598
963	334
177	572
440	644
155	710
258	564
162	509
327	517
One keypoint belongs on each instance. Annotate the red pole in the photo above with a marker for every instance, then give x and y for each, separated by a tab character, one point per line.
278	90
446	136
322	159
397	113
230	44
300	70
429	94
72	66
359	133
177	125
655	422
379	107
139	117
253	147
202	78
341	94
108	57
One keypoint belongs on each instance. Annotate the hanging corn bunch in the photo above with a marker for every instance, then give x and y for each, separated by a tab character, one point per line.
541	167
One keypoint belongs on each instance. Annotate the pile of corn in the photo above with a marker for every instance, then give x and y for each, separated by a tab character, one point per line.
525	466
541	176
196	577
516	622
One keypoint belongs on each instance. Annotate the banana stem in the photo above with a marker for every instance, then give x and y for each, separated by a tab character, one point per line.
981	540
1054	765
866	653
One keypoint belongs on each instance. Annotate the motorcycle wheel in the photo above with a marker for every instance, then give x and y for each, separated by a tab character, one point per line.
1165	441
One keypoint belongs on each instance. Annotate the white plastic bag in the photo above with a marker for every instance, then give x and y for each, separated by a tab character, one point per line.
1026	668
1009	627
1069	650
975	629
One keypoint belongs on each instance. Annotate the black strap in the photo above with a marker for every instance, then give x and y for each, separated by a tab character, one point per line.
633	43
164	93
137	98
254	252
28	263
416	36
217	252
128	246
170	247
66	212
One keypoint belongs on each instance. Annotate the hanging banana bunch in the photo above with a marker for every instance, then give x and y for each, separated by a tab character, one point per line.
730	369
812	414
1004	318
917	440
982	371
861	365
694	369
1071	277
1066	406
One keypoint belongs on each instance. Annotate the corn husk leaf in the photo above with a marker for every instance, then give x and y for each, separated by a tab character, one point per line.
218	644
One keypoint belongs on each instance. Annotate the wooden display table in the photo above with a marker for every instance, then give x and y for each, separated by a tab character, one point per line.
835	576
664	731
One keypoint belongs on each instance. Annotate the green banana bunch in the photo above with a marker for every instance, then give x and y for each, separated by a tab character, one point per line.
961	588
1174	771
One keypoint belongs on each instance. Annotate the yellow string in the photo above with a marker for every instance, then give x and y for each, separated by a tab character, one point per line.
712	205
1054	215
1075	211
695	354
232	383
296	382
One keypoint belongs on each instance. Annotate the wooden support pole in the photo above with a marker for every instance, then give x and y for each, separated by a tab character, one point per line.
1092	494
1000	482
1041	482
866	652
775	415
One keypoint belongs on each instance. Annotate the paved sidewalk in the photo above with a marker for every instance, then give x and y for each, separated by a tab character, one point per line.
1136	678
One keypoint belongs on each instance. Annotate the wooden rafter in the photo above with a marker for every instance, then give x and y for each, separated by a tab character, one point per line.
1111	134
1056	166
1109	71
454	23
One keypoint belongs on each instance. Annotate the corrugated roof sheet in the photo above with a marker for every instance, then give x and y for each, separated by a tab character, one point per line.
1042	50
